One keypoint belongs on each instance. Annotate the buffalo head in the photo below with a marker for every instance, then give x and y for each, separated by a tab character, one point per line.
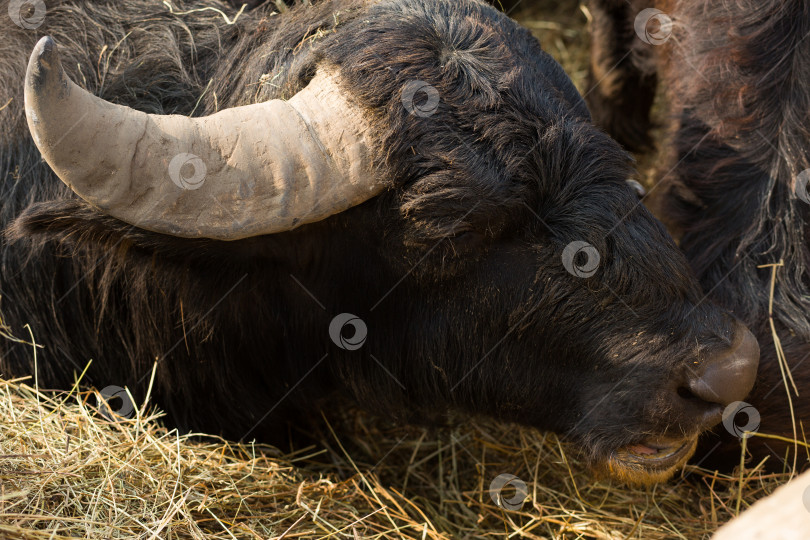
433	181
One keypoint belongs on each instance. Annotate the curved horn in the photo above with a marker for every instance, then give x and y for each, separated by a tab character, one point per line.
241	172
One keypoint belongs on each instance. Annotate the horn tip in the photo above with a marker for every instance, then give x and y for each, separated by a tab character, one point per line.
45	52
44	77
44	62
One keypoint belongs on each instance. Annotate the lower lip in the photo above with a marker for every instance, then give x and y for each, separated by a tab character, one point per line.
642	450
649	453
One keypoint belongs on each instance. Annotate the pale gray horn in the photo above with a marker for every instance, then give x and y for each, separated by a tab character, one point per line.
241	172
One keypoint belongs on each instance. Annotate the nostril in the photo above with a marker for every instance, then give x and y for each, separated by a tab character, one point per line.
685	393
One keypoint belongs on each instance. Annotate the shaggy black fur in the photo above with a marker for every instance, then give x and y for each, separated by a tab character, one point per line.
736	80
621	85
456	269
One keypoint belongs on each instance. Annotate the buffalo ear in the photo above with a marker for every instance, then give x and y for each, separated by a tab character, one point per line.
74	223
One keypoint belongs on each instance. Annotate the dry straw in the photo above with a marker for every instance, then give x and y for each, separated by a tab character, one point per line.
68	472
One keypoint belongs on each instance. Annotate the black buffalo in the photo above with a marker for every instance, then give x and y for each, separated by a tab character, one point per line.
734	174
428	223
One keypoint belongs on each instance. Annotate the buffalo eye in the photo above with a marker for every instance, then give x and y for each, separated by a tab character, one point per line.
637	187
468	241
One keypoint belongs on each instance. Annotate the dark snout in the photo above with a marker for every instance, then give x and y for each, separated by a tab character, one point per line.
724	378
729	376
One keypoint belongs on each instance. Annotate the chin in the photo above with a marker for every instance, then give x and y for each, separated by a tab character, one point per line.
646	462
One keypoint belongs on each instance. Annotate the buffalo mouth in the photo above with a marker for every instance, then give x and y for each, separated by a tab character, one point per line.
650	461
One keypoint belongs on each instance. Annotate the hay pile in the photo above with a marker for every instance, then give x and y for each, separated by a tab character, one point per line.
67	471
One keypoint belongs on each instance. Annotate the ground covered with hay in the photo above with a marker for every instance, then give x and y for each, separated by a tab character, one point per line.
68	471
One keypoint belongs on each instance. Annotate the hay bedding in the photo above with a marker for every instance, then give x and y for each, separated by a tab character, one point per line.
67	471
